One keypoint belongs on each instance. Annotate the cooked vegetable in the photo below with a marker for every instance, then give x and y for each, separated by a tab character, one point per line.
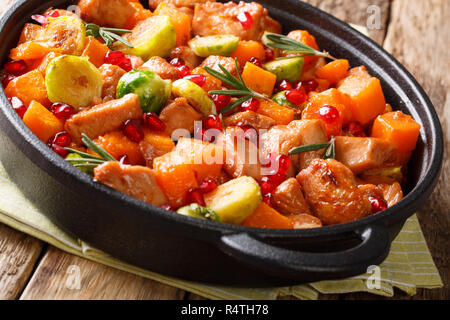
333	71
281	99
287	69
265	216
95	51
29	32
140	13
41	121
386	175
235	200
73	80
221	45
30	51
107	34
44	62
118	145
281	114
258	79
333	97
247	50
180	20
397	127
304	37
197	211
81	163
154	36
28	87
195	95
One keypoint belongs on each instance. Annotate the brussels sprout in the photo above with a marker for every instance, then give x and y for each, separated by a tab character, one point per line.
286	69
281	99
152	91
195	95
73	80
197	211
88	169
221	45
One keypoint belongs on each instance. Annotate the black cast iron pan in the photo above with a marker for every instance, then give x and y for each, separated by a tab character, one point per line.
194	249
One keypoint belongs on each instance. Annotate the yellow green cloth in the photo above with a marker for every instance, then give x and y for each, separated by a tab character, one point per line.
409	265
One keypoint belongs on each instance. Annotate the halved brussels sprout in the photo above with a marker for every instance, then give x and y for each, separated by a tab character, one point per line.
197	211
286	69
87	169
152	91
221	45
195	95
73	80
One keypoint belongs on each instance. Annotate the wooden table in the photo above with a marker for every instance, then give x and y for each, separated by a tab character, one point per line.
416	32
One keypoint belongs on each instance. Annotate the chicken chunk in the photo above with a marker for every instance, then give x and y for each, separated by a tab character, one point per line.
136	181
110	13
256	120
104	117
392	193
304	221
178	3
214	18
288	198
361	153
226	62
111	75
331	192
186	53
179	115
161	67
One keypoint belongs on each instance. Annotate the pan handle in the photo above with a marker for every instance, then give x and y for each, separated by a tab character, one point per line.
373	249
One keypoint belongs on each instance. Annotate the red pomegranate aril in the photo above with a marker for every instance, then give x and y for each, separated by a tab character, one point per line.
269	54
183	71
124	159
266	185
256	62
16	67
62	111
208	185
43	20
245	19
194	195
198	79
267	198
377	204
297	97
152	121
221	100
251	104
277	178
212	122
250	132
61	139
133	130
355	129
177	62
118	58
53	14
59	150
308	85
284	162
18	106
7	78
284	85
329	114
167	207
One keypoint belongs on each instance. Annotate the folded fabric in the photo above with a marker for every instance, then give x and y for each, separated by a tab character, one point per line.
409	265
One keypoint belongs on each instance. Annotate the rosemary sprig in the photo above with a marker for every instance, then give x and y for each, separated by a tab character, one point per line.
109	35
330	152
89	160
282	42
237	83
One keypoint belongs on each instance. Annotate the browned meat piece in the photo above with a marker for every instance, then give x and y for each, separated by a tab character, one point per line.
272	25
178	3
161	67
214	18
150	152
106	13
179	115
214	61
186	53
104	117
311	132
360	154
136	181
111	75
288	198
331	192
256	120
371	190
136	61
304	221
188	11
242	156
392	193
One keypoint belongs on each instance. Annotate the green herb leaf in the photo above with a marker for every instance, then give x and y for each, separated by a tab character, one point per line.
107	34
330	152
96	148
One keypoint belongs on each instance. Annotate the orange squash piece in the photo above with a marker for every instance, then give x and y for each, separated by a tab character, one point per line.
140	13
95	51
266	217
305	37
337	99
258	79
118	145
397	127
367	95
41	121
281	114
28	87
174	177
29	51
43	63
333	71
29	32
248	49
180	20
159	140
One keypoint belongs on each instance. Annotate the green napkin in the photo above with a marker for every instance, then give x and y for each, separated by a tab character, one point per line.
409	265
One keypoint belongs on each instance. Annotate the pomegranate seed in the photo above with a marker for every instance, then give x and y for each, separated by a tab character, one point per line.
62	111
355	129
284	85
177	62
208	185
16	67
53	14
221	100
152	121
256	62
59	150
198	79
297	97
7	78
124	159
266	185
43	20
269	54
167	207
251	104
267	198
194	195
61	139
133	130
377	204
212	122
183	71
250	132
284	163
245	19
18	106
118	58
277	178
329	114
309	85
